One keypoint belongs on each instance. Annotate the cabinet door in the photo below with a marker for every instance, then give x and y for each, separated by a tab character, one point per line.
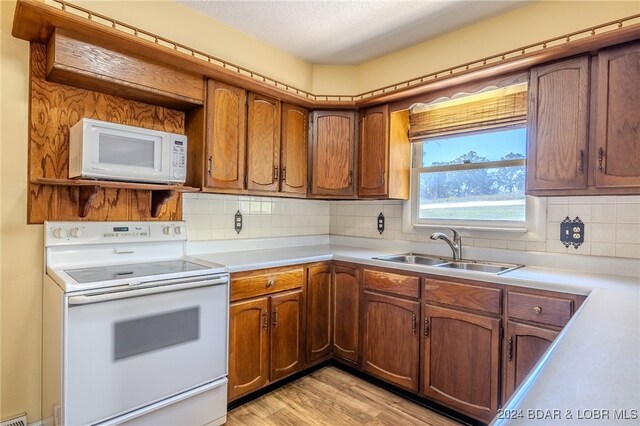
346	310
263	143
318	312
461	361
333	139
248	346
618	118
225	136
373	152
286	311
525	346
558	125
391	341
293	163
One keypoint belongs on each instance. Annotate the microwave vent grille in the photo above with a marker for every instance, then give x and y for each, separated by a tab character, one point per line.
74	166
20	420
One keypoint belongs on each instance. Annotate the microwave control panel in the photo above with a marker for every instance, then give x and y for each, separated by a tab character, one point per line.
179	158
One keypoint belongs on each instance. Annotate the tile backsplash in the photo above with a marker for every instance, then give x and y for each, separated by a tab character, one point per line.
612	223
211	216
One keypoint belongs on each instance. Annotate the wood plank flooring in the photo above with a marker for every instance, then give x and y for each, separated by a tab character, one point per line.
333	397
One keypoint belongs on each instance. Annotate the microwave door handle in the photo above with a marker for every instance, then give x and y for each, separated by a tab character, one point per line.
136	292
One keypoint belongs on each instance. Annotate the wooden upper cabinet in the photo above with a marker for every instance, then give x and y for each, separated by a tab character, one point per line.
558	125
332	153
617	140
293	161
461	359
225	137
248	346
373	158
384	154
318	312
286	332
346	311
263	143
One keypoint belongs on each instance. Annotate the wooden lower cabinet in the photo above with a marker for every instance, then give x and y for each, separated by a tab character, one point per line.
264	341
391	341
286	312
346	311
248	346
461	360
318	312
525	345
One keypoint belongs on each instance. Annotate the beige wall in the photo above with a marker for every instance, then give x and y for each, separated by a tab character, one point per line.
528	24
21	244
181	24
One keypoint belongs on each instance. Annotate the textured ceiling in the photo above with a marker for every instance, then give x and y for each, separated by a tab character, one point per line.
347	31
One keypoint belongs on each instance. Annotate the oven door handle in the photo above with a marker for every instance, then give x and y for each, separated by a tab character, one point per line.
144	291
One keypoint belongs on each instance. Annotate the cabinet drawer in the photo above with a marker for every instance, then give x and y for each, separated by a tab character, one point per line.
245	285
543	309
479	298
403	285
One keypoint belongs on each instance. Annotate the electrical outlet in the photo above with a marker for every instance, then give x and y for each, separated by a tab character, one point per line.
572	232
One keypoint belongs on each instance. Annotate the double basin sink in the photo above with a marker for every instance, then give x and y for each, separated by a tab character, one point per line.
440	262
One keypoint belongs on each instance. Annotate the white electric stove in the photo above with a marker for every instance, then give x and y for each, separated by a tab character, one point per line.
135	332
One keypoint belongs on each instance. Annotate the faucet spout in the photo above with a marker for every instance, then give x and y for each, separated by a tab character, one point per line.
456	244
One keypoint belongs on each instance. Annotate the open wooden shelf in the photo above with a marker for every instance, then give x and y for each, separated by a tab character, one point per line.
88	189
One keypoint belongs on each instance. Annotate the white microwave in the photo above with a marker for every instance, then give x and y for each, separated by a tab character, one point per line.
102	150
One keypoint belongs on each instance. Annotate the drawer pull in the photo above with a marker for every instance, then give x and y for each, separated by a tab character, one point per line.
271	283
537	310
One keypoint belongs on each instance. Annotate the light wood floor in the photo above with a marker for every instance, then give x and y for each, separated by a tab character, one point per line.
332	397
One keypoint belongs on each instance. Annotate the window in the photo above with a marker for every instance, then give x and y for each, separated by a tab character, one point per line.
469	161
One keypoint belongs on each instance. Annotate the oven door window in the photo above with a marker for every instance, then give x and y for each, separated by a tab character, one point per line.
141	335
127	353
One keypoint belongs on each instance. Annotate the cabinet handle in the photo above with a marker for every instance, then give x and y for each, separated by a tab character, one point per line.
210	167
537	310
581	162
265	323
275	173
600	158
284	174
413	323
510	349
426	327
275	318
382	176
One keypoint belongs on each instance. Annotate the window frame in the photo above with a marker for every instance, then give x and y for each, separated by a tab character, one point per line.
532	206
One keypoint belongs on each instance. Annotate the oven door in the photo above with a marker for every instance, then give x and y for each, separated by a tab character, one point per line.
128	349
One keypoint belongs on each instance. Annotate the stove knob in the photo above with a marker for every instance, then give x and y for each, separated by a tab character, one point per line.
59	233
166	230
178	230
76	232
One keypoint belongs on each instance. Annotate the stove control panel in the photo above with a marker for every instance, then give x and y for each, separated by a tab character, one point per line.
74	233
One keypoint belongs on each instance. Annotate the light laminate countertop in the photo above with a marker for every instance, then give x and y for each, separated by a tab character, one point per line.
589	375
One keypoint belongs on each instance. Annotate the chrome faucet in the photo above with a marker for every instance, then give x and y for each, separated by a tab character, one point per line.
456	244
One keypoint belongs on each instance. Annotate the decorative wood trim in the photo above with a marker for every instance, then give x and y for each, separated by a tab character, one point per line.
35	21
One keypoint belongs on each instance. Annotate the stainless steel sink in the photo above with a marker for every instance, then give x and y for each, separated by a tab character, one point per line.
489	267
469	265
413	259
